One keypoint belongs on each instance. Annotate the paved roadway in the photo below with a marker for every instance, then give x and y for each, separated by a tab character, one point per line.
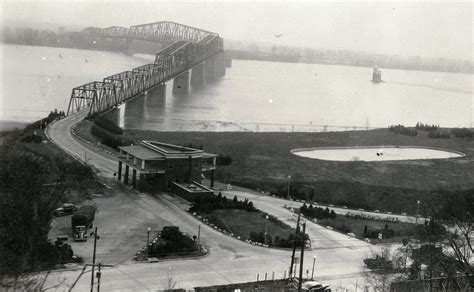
339	257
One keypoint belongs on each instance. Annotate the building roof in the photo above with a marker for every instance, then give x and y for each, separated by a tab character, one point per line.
142	152
151	150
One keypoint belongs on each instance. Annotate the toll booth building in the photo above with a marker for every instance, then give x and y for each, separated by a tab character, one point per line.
160	166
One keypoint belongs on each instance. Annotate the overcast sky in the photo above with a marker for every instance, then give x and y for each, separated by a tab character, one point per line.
435	29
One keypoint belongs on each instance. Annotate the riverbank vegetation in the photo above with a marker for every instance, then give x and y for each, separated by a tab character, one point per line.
35	178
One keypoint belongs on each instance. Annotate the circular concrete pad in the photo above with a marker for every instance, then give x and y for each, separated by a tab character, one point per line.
375	153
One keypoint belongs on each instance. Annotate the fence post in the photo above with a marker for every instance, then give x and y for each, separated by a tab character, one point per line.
273	276
265	276
284	274
257	277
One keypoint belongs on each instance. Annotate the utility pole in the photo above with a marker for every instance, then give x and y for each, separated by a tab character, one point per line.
300	282
98	278
93	259
199	234
294	249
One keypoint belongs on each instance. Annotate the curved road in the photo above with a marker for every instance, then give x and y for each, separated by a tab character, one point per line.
338	257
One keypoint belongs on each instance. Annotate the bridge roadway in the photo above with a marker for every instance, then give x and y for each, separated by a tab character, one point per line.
339	257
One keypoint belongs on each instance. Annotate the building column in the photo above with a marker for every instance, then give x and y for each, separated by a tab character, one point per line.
119	170
181	83
212	179
125	179
134	177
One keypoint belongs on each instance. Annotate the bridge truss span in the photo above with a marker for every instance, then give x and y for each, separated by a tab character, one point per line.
99	96
189	46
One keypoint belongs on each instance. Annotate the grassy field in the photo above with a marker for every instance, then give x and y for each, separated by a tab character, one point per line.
356	226
266	156
263	161
242	223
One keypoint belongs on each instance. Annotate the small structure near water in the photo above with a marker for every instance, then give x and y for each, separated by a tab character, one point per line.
377	75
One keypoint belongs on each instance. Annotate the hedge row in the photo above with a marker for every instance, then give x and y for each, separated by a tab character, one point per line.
108	125
108	138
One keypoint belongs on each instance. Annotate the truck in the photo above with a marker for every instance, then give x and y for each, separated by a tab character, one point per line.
81	221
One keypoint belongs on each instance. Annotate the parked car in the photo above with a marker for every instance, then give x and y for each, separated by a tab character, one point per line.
65	209
376	211
360	209
351	234
404	214
229	187
315	287
331	205
389	212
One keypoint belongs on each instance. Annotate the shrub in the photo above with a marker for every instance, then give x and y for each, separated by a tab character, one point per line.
402	130
223	159
108	125
32	139
172	241
207	204
462	133
438	135
317	212
107	138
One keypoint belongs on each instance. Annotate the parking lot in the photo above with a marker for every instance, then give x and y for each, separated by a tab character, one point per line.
122	219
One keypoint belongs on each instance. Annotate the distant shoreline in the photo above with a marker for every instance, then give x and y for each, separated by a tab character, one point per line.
260	56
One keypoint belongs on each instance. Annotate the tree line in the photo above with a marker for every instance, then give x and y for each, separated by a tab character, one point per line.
33	182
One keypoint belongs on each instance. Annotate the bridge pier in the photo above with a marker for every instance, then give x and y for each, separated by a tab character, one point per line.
228	60
209	69
219	65
198	75
181	83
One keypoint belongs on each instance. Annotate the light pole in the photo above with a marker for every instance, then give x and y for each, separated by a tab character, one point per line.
288	192
265	238
417	211
312	273
148	243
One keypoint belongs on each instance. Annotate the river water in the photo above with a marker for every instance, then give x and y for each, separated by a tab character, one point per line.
253	96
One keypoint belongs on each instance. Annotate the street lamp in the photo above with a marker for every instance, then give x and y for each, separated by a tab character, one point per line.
417	211
312	273
265	238
288	192
148	243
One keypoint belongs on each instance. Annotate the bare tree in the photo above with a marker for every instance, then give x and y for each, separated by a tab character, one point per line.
460	242
170	283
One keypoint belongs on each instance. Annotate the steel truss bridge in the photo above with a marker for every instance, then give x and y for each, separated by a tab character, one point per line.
188	47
